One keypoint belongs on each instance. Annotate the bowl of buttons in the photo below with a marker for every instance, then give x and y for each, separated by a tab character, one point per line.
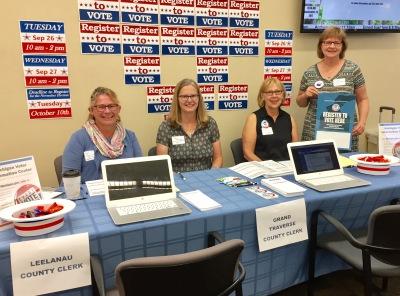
37	217
374	164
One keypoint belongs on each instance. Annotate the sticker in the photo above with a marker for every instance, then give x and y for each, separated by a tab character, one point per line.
264	124
267	131
89	155
178	140
339	81
319	84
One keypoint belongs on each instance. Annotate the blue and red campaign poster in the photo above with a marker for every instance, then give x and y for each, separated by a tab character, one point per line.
212	69
244	14
232	96
288	89
142	40
177	40
142	69
48	103
42	37
177	12
159	98
278	43
212	41
243	42
100	38
45	70
212	13
278	61
207	91
100	29
143	12
279	67
99	11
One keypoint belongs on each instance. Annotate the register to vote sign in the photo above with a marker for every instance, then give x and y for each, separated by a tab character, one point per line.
48	265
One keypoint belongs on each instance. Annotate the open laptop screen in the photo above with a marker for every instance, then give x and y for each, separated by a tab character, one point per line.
315	158
138	179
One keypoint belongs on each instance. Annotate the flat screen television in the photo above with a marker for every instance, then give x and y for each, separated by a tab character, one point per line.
375	16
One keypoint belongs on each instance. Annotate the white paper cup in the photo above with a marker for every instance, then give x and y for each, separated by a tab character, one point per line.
72	184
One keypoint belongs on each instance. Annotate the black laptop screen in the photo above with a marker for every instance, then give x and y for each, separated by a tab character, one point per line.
315	158
138	179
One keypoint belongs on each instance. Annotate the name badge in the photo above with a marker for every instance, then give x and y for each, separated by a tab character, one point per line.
178	140
339	81
89	155
267	131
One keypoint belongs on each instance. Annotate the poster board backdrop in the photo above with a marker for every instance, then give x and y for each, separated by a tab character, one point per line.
45	139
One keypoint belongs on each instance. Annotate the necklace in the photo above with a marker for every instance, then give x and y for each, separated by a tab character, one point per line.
189	129
328	71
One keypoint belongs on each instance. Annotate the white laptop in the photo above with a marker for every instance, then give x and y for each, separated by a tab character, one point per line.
316	165
141	188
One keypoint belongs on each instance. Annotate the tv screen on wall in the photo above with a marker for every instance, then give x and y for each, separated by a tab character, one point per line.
351	15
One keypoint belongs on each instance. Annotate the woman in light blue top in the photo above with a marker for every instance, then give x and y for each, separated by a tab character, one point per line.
101	137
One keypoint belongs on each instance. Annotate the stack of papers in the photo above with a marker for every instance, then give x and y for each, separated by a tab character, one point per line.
283	186
267	168
200	200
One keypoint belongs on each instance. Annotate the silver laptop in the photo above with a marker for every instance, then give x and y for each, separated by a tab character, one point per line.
141	188
316	165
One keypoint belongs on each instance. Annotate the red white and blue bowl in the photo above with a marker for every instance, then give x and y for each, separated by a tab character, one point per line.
374	168
37	225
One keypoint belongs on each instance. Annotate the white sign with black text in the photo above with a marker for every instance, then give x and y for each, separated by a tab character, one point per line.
42	266
281	224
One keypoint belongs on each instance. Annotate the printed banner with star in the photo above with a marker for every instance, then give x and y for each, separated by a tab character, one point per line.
48	103
42	43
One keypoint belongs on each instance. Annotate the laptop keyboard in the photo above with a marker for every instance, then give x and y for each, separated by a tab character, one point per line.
148	207
330	180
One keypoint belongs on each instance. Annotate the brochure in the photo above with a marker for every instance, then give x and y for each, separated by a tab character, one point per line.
200	200
19	182
266	168
335	118
235	181
283	186
261	191
389	139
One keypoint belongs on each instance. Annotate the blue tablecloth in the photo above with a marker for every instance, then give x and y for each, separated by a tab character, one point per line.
267	272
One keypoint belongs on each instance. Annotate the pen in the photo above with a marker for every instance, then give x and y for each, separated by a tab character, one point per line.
246	184
182	176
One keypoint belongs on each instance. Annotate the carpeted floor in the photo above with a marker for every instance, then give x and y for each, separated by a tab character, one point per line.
341	283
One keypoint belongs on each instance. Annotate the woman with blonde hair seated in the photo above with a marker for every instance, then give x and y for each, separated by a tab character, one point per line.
268	130
101	137
189	135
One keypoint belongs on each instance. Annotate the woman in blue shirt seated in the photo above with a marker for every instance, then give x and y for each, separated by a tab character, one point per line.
101	137
268	130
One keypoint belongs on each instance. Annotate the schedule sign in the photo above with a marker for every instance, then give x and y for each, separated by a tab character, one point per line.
42	37
45	70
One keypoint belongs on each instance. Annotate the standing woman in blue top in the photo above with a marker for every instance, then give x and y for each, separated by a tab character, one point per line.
101	137
268	130
333	73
